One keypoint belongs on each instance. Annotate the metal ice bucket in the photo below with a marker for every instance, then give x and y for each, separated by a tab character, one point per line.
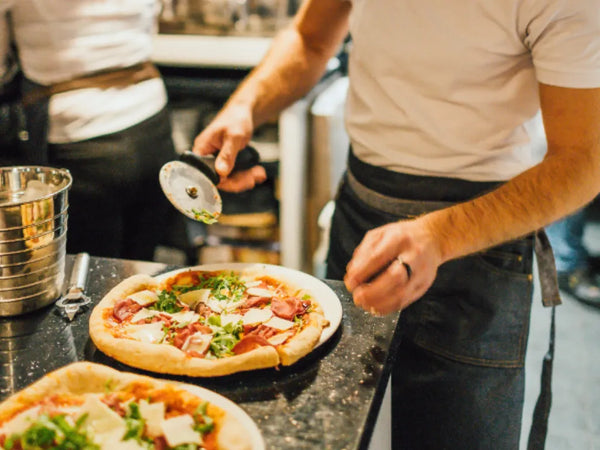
33	235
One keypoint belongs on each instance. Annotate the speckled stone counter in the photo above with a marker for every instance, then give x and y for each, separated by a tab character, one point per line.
328	400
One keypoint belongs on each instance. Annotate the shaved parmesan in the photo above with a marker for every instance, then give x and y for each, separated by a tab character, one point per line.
20	422
256	315
150	332
279	323
143	314
180	430
100	417
214	304
153	414
184	317
219	306
259	292
144	298
192	298
280	338
230	318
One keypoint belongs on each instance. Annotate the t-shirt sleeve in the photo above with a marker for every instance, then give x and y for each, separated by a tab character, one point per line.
564	40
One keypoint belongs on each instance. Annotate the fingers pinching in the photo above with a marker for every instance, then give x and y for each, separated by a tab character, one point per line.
406	266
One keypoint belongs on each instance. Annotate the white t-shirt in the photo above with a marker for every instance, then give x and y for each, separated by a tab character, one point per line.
62	39
449	88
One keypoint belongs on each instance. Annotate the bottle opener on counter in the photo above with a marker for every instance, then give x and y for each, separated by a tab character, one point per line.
190	183
75	296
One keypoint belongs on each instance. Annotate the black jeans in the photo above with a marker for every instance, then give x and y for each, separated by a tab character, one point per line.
458	381
116	205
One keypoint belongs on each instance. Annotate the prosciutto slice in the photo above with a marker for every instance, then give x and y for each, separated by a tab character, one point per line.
125	309
248	343
288	308
255	301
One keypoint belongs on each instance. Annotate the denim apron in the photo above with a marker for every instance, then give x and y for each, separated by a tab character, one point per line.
458	379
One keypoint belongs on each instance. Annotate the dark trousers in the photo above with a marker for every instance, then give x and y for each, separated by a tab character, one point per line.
458	381
116	205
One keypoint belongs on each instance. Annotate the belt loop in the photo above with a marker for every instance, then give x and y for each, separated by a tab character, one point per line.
546	269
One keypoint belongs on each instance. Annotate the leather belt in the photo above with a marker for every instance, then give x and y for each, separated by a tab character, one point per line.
118	77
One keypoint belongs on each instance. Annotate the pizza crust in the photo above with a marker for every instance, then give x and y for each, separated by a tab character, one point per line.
301	344
86	377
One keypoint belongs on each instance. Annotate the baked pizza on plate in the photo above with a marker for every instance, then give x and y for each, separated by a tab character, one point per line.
89	406
215	320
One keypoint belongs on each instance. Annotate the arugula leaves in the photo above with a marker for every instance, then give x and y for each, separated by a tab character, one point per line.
52	432
167	302
205	216
134	424
224	337
204	423
225	287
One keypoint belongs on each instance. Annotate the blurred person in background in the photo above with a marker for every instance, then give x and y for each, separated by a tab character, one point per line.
444	200
577	269
92	91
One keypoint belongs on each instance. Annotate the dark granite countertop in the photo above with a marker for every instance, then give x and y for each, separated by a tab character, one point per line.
328	400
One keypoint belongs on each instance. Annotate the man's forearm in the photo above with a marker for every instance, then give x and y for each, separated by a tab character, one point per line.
537	197
296	60
286	74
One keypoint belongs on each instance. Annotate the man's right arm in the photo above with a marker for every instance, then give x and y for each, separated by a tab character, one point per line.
292	66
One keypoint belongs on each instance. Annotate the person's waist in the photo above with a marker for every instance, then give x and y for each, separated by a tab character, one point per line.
415	187
111	77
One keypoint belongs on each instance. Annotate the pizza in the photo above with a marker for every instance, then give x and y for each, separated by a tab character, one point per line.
207	323
90	406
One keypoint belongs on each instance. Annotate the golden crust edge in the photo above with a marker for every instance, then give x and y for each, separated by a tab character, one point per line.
304	342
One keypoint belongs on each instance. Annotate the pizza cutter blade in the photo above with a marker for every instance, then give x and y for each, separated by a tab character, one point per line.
190	183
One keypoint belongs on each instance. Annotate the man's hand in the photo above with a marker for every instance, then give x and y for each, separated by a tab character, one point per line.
393	266
228	133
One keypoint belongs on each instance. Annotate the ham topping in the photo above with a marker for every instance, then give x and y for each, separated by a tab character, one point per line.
125	309
182	334
288	308
254	301
248	343
263	331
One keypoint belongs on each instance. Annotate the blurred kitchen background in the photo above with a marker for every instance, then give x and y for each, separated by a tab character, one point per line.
204	49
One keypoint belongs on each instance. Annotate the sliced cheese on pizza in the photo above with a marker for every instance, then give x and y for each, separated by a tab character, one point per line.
149	332
144	298
257	315
279	324
179	430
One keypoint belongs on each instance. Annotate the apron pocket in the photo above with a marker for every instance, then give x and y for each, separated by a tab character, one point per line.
477	311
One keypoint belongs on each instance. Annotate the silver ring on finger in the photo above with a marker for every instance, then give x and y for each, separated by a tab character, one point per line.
409	270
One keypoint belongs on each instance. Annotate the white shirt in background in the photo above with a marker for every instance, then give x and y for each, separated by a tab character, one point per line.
449	88
63	39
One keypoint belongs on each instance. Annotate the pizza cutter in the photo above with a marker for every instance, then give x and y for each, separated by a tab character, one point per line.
190	183
75	296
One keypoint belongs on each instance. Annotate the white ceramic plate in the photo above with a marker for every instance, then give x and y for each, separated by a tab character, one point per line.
330	303
252	432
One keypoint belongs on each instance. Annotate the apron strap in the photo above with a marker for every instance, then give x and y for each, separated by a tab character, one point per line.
541	412
546	269
550	298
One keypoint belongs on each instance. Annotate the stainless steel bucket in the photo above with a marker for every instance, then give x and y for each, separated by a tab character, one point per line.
33	233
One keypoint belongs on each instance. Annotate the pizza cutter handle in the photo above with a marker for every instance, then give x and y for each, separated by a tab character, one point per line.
246	158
